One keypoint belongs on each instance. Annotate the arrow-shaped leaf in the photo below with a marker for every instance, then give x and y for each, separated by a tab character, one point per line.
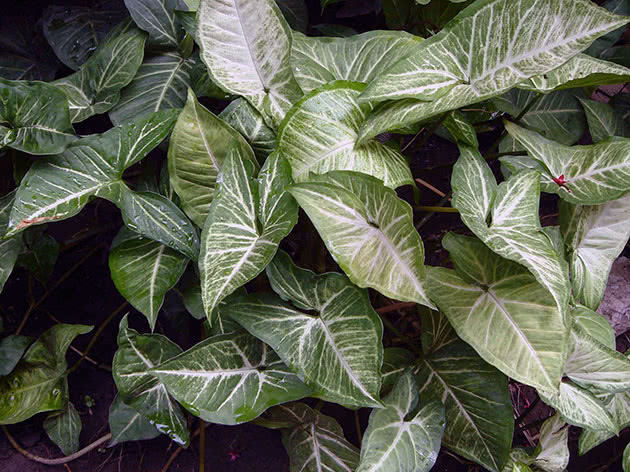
595	325
126	424
157	17
63	428
246	120
604	121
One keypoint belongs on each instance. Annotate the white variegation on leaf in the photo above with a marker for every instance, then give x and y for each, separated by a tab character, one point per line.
157	17
514	229
395	361
604	121
586	175
337	352
553	446
369	232
126	424
404	436
459	65
594	236
244	118
500	309
359	58
246	45
137	354
320	132
230	379
63	428
595	325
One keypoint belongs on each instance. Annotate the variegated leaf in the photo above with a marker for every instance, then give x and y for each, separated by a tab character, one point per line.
604	121
246	45
553	445
404	436
626	459
369	231
514	229
319	135
126	424
395	361
360	58
295	12
157	17
503	312
137	354
595	325
9	247
246	120
338	351
595	236
230	379
63	428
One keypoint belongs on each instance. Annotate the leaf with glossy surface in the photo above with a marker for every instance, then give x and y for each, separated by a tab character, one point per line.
137	354
230	379
11	349
246	120
514	230
157	17
126	424
604	121
9	247
38	382
246	45
63	428
337	352
404	436
319	135
369	232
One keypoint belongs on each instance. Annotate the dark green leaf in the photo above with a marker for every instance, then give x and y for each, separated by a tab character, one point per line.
63	428
126	424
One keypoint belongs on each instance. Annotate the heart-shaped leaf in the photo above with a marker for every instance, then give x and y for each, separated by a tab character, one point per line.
157	17
553	445
595	325
126	424
604	121
395	361
246	120
11	349
63	428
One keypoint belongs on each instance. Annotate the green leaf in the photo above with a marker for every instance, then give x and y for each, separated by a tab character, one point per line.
230	379
595	325
459	66
137	354
9	247
248	219
369	231
295	12
246	45
157	17
198	148
361	58
246	120
315	442
626	459
39	253
406	434
74	32
34	117
553	445
489	301
395	361
594	237
604	121
63	428
479	421
319	135
337	351
38	382
591	175
126	424
160	83
143	271
513	230
11	349
620	7
95	88
461	129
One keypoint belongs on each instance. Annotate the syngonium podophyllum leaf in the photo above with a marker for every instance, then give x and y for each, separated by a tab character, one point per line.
361	58
95	88
406	434
604	121
11	349
198	148
500	309
38	383
9	247
479	421
514	230
143	271
246	45
594	236
314	442
157	17
63	428
626	459
319	134
594	324
620	7
296	13
75	32
338	351
230	379
369	232
587	175
39	253
246	120
248	219
137	354
160	83
126	424
34	117
458	66
395	361
553	448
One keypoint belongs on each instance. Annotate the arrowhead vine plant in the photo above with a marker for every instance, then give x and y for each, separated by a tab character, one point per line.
314	137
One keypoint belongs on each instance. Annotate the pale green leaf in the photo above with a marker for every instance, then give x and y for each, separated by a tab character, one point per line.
395	361
143	271
246	45
626	459
360	58
595	325
319	135
604	121
246	120
137	354
126	424
9	247
519	461
404	436
230	379
337	351
38	382
63	428
369	231
505	217
553	445
157	17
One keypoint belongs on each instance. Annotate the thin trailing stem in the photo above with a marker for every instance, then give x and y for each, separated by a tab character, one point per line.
527	411
533	424
202	446
436	209
357	424
395	307
431	187
429	132
178	451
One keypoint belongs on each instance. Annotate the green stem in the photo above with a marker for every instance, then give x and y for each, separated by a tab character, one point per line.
437	209
357	424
